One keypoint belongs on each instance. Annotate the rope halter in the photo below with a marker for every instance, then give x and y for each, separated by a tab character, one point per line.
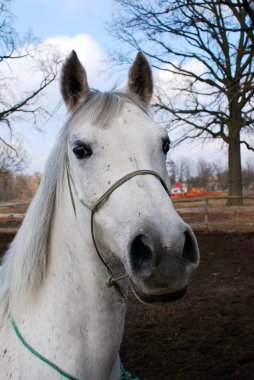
112	280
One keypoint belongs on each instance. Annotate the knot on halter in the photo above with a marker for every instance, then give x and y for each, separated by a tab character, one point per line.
112	281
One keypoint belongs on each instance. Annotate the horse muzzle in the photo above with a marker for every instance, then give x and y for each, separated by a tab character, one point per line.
159	273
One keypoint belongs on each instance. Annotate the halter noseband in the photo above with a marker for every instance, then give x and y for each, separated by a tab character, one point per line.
112	281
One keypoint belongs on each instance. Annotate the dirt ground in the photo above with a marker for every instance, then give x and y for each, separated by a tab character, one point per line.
210	333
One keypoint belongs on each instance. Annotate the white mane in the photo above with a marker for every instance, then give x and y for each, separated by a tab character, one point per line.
25	262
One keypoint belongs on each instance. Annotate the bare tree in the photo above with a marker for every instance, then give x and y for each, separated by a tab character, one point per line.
249	9
248	175
183	169
248	25
205	48
211	176
13	49
12	160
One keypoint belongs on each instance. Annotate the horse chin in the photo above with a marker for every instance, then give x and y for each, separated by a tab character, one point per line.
160	298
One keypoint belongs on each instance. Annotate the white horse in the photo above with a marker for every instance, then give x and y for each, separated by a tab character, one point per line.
101	219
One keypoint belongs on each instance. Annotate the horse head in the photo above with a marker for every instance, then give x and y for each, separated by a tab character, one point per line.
116	169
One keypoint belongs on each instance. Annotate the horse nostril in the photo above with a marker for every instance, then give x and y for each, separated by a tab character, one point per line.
142	256
190	251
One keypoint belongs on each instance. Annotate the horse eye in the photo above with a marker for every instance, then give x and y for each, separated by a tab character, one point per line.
82	151
165	146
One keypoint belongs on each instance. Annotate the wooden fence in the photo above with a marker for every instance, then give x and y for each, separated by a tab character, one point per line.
11	216
207	214
212	213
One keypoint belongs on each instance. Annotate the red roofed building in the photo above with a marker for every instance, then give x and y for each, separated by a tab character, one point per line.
178	189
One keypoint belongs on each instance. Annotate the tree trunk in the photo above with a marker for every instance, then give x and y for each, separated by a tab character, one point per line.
234	168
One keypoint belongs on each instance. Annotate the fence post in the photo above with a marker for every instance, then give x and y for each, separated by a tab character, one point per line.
206	214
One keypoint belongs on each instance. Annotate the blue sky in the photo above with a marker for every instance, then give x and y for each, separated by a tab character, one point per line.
49	18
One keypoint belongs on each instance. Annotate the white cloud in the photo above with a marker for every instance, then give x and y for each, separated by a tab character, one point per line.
88	50
168	88
26	71
28	77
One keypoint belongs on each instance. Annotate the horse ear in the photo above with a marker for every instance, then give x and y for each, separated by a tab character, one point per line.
74	86
140	78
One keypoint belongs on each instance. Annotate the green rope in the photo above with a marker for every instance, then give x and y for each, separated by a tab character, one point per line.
124	374
39	356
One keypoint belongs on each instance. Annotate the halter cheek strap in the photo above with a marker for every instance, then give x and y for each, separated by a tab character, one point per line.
112	281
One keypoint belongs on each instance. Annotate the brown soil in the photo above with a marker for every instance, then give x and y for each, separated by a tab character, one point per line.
210	333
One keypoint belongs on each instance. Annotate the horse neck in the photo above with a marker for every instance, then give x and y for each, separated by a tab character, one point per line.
75	271
74	305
